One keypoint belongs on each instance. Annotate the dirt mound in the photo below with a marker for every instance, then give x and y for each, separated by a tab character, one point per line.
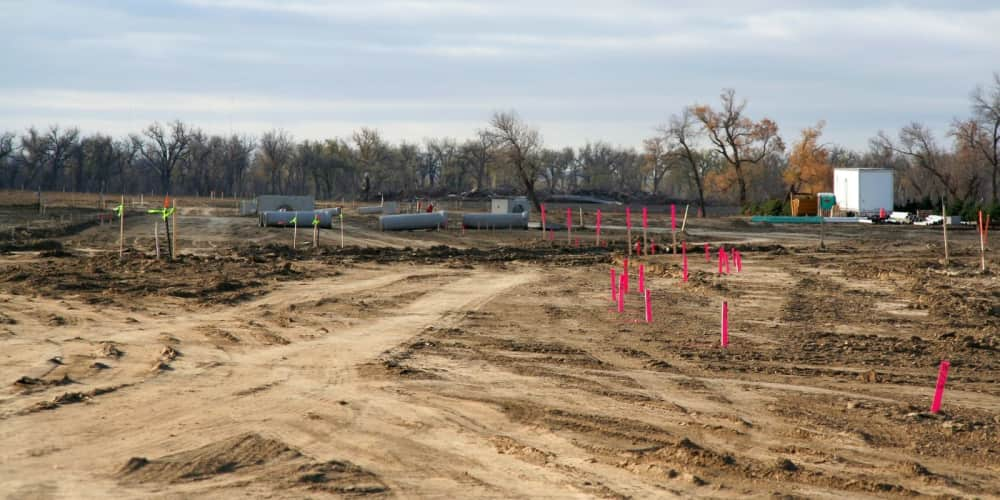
268	461
230	455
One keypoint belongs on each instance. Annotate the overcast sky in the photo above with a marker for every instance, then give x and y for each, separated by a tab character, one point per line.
578	69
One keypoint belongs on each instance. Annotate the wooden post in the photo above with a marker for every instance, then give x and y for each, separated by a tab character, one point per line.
944	226
341	228
315	236
173	237
156	238
684	221
121	229
628	235
982	242
295	230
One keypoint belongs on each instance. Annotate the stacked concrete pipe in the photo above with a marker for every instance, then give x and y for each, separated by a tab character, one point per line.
495	221
409	222
284	219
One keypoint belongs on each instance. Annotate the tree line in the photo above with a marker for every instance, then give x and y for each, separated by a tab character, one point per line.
706	153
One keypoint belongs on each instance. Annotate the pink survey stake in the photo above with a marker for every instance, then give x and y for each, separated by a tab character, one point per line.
939	390
725	324
622	284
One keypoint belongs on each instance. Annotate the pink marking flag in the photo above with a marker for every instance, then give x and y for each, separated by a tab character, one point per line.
725	324
652	248
726	258
642	278
939	390
649	308
543	216
684	257
722	257
738	260
624	279
622	286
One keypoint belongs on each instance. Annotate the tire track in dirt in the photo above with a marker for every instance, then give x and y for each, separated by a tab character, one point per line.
265	390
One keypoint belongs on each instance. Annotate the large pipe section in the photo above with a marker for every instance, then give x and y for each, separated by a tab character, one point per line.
495	221
407	222
326	217
377	209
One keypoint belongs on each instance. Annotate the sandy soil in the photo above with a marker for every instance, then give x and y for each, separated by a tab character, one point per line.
492	364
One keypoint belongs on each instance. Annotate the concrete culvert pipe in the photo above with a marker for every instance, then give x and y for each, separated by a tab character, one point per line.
495	221
407	222
369	210
284	219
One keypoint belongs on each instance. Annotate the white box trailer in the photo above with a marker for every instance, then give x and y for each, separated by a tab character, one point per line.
864	191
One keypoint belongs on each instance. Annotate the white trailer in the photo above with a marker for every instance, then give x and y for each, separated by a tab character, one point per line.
864	191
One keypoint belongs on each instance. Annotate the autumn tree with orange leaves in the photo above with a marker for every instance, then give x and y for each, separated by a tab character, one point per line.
809	168
741	141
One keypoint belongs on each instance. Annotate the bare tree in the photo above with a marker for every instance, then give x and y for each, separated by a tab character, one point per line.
917	144
7	150
164	148
34	154
520	146
681	133
981	132
656	160
62	147
479	153
373	154
239	149
274	155
740	140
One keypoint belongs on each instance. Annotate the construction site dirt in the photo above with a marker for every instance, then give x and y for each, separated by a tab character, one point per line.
492	363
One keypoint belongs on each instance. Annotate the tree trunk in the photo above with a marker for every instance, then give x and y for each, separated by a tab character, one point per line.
742	182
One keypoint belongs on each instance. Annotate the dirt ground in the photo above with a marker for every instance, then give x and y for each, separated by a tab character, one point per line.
472	364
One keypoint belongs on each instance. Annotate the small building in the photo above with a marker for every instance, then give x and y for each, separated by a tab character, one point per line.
515	205
277	202
863	191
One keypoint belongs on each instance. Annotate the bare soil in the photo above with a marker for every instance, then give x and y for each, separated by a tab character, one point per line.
491	363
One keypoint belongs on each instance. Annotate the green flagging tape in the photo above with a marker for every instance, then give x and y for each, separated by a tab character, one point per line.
119	210
295	220
315	220
166	212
